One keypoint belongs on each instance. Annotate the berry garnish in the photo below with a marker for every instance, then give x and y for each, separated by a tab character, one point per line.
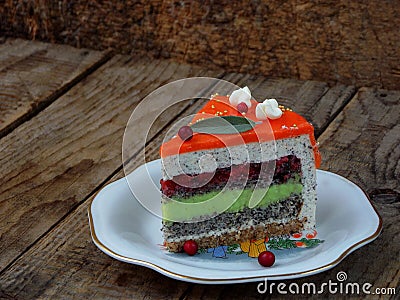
185	133
242	107
266	258
190	247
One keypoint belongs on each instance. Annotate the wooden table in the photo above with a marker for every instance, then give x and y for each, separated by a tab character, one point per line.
62	117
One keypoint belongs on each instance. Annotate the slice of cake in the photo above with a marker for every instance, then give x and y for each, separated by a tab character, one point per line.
245	172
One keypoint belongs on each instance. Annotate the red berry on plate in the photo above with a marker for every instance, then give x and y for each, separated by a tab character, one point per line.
190	247
185	133
242	107
266	259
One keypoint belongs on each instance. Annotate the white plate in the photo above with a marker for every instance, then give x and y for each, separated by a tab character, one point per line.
122	228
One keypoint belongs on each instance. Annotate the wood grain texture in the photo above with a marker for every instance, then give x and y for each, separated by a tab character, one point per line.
51	163
355	43
72	265
33	74
363	142
68	265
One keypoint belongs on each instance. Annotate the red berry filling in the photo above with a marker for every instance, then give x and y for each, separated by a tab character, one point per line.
184	185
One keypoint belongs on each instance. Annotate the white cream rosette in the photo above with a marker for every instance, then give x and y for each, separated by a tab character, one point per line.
269	109
241	95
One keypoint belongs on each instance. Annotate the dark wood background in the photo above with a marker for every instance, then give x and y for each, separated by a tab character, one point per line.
336	41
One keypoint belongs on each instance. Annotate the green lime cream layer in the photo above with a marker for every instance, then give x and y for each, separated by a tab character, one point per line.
230	201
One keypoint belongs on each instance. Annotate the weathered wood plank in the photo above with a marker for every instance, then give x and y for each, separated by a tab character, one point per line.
352	42
93	273
33	74
363	142
70	266
51	163
14	50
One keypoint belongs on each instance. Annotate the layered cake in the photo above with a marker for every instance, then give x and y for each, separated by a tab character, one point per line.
240	170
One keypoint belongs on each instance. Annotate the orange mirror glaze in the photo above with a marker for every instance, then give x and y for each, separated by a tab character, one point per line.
289	125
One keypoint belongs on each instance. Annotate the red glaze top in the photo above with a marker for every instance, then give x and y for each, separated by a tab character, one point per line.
289	125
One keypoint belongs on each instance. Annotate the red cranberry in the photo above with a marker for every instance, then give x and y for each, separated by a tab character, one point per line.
190	247
266	259
185	133
242	107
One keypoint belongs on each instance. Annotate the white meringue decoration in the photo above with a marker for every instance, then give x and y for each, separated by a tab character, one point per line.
269	109
241	95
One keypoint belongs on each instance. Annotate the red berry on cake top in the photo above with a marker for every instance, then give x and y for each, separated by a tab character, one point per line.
185	133
242	107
